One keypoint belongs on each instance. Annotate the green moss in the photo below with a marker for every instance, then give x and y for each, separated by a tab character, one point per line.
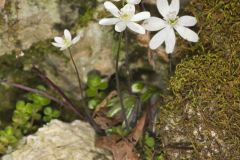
85	18
218	26
205	101
37	54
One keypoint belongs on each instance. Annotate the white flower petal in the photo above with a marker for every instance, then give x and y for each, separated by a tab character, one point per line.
187	21
120	26
170	41
187	33
136	27
154	24
174	6
140	16
128	8
133	1
163	7
158	38
109	21
67	35
57	44
63	48
59	40
111	8
76	39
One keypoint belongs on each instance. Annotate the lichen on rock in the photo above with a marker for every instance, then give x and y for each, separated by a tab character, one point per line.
59	140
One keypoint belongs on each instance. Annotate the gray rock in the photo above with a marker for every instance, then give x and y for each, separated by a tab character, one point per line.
58	140
26	22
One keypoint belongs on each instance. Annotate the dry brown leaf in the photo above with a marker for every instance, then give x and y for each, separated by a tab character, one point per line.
138	130
162	54
143	39
123	148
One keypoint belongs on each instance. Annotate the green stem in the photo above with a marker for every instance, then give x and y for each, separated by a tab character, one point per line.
118	83
129	74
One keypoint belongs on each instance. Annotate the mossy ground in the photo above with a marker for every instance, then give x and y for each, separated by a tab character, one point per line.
218	27
205	108
200	120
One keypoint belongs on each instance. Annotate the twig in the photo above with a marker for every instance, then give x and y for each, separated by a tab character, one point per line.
58	90
29	89
118	84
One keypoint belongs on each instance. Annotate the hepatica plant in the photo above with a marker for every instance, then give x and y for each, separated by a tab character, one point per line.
166	26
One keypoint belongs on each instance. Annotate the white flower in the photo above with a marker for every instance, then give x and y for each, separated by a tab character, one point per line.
125	17
171	21
66	41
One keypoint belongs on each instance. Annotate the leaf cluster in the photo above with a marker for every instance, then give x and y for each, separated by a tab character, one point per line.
28	116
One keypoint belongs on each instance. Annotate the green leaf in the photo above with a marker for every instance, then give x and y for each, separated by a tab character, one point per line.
150	142
101	95
160	157
48	111
29	108
103	85
137	87
93	81
93	103
148	94
41	87
20	105
37	99
112	102
114	110
46	118
129	101
36	116
56	113
91	92
9	130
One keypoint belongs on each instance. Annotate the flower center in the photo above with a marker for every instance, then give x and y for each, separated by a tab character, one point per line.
67	42
125	16
172	18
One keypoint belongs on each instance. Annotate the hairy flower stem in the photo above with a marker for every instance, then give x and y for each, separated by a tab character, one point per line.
84	104
142	5
118	83
129	74
170	64
77	73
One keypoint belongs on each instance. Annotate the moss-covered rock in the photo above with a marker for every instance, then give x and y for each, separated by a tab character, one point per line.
218	26
202	118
